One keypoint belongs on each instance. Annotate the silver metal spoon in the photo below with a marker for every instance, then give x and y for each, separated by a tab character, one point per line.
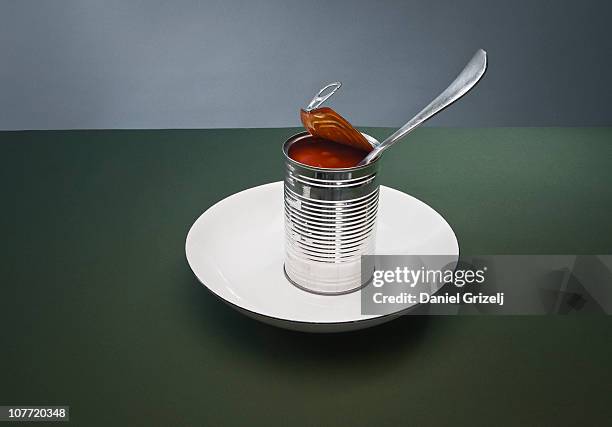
465	81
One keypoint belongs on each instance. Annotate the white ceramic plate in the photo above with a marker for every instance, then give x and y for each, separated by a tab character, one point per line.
236	249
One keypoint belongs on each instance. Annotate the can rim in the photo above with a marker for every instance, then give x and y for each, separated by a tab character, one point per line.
300	135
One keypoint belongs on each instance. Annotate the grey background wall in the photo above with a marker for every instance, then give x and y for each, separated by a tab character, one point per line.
183	64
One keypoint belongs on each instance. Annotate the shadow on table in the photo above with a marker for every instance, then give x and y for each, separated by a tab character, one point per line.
373	348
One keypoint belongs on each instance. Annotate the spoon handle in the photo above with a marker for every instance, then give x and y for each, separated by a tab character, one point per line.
462	84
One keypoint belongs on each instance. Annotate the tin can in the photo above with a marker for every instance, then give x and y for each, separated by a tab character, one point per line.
330	222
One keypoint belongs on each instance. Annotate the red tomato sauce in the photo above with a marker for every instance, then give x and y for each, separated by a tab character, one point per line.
325	154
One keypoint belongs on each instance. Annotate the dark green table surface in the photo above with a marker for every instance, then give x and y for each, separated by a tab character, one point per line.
100	311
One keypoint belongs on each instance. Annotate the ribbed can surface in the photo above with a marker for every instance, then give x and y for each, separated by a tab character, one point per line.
330	221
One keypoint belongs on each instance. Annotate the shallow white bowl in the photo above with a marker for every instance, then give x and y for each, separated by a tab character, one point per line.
236	250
